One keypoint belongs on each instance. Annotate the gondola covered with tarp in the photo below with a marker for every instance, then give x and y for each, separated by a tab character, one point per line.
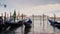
54	23
10	24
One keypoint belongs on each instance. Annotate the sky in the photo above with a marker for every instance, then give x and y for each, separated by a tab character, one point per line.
29	7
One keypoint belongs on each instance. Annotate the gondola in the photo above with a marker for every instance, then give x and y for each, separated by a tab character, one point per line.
14	25
10	26
54	23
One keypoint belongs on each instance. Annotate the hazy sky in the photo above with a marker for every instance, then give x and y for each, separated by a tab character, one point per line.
32	6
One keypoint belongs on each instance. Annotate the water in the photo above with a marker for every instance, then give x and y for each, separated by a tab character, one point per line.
38	27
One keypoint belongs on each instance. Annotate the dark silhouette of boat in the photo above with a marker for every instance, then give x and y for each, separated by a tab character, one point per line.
12	26
12	23
54	23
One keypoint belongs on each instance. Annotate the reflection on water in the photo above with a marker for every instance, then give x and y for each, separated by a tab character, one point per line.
39	28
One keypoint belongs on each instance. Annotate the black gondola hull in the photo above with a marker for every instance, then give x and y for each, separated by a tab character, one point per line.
54	24
12	26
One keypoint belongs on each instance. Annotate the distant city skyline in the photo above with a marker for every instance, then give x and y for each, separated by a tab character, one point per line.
29	7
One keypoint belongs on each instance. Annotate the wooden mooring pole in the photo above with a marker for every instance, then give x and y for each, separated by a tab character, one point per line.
22	25
54	21
43	24
33	23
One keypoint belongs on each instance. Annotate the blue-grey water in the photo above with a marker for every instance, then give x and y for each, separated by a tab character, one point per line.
40	27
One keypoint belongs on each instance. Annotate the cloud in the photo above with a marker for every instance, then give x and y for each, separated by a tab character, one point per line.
32	2
42	9
37	2
56	12
47	9
28	3
33	6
